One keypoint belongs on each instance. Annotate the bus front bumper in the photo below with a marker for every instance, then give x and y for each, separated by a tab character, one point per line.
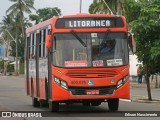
61	94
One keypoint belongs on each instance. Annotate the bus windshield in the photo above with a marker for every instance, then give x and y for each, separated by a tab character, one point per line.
101	50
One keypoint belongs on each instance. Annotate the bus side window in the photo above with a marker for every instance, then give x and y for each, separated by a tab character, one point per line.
44	41
40	41
29	46
32	46
42	49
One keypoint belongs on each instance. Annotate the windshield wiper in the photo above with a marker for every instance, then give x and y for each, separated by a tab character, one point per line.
78	38
106	36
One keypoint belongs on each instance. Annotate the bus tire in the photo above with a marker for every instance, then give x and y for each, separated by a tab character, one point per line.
113	104
35	102
54	106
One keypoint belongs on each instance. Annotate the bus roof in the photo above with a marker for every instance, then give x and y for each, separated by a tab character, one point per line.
39	25
82	15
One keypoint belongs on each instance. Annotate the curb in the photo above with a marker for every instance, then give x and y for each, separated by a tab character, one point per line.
141	99
145	100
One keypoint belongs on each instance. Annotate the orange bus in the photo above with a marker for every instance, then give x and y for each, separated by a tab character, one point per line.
82	58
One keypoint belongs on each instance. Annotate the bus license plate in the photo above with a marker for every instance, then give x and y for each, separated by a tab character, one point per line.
92	92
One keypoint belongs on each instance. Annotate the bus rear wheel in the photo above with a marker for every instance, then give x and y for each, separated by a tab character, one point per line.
54	106
35	102
113	104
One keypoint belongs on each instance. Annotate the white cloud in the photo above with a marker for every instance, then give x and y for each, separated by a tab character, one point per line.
66	6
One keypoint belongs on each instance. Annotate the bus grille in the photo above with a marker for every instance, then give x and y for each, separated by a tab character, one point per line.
102	90
91	74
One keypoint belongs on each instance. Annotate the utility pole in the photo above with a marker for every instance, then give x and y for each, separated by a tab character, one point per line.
119	7
80	7
16	56
57	12
108	7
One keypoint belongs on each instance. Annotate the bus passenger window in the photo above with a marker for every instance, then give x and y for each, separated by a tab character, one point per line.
29	47
44	40
32	46
42	48
40	42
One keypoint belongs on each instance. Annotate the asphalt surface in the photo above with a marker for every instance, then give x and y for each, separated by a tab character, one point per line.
139	93
13	98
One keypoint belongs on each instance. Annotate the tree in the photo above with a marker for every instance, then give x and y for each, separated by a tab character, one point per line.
44	14
5	25
98	6
131	10
18	36
147	36
11	27
144	21
18	9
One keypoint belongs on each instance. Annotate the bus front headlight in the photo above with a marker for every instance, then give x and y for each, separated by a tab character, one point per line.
61	83
57	80
122	81
64	85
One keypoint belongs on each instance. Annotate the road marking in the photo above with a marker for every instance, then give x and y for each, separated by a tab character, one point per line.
125	100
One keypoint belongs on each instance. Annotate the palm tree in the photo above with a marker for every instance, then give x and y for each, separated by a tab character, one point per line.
11	27
44	14
18	9
5	37
98	6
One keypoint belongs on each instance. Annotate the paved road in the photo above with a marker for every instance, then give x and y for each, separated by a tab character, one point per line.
13	97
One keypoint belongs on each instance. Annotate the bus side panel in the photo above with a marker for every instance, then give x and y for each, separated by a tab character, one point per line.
42	89
32	87
32	77
35	88
43	73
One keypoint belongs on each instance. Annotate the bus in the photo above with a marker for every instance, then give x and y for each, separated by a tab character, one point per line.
82	58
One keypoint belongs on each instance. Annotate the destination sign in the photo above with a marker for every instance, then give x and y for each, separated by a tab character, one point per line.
89	22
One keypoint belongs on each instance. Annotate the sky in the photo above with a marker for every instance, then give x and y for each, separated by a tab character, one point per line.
67	6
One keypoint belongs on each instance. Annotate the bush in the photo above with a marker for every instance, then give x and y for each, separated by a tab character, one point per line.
1	64
10	68
21	68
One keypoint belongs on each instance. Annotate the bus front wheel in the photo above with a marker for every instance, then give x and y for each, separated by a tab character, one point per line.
54	106
113	104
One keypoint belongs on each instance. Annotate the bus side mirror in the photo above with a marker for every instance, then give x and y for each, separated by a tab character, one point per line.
132	43
49	41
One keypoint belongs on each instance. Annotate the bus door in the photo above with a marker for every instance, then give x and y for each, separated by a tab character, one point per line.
37	62
27	63
42	64
32	62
